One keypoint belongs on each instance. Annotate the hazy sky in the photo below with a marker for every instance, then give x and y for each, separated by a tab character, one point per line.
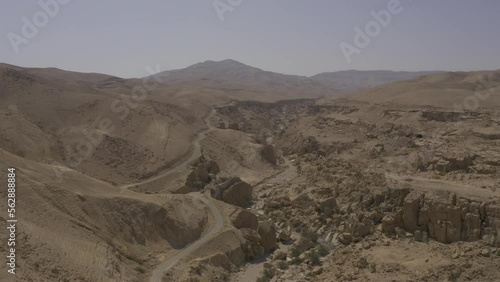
122	37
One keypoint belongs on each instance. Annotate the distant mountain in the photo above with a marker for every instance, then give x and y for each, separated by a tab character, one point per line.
455	90
245	82
352	80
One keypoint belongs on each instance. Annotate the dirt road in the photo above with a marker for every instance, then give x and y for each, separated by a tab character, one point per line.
185	163
171	261
426	184
218	220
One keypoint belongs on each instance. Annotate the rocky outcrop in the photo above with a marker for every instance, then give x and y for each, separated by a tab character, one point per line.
488	133
253	246
202	174
233	191
309	145
141	223
233	126
446	219
355	227
231	250
268	153
442	116
451	161
410	211
301	145
221	125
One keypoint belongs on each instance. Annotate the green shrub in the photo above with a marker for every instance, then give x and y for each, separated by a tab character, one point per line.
314	257
311	236
282	265
267	275
322	251
295	252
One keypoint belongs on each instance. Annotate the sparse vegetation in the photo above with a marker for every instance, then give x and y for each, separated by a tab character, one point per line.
140	269
267	275
313	256
311	236
295	252
322	251
282	265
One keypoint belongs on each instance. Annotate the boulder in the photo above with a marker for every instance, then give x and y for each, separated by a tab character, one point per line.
329	204
388	226
345	238
242	218
267	233
233	126
363	228
485	252
335	239
279	255
285	236
268	153
238	194
233	191
302	201
418	235
304	244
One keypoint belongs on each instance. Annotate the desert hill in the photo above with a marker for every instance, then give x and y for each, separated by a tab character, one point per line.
352	80
444	89
208	172
82	144
243	82
81	119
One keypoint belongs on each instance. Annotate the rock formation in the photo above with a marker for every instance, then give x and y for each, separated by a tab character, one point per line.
268	234
269	154
446	219
242	218
202	174
233	191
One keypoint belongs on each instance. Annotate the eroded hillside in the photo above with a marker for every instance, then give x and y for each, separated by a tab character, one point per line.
377	192
188	184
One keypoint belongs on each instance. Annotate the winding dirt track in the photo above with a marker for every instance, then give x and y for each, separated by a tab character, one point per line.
218	220
171	261
184	164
